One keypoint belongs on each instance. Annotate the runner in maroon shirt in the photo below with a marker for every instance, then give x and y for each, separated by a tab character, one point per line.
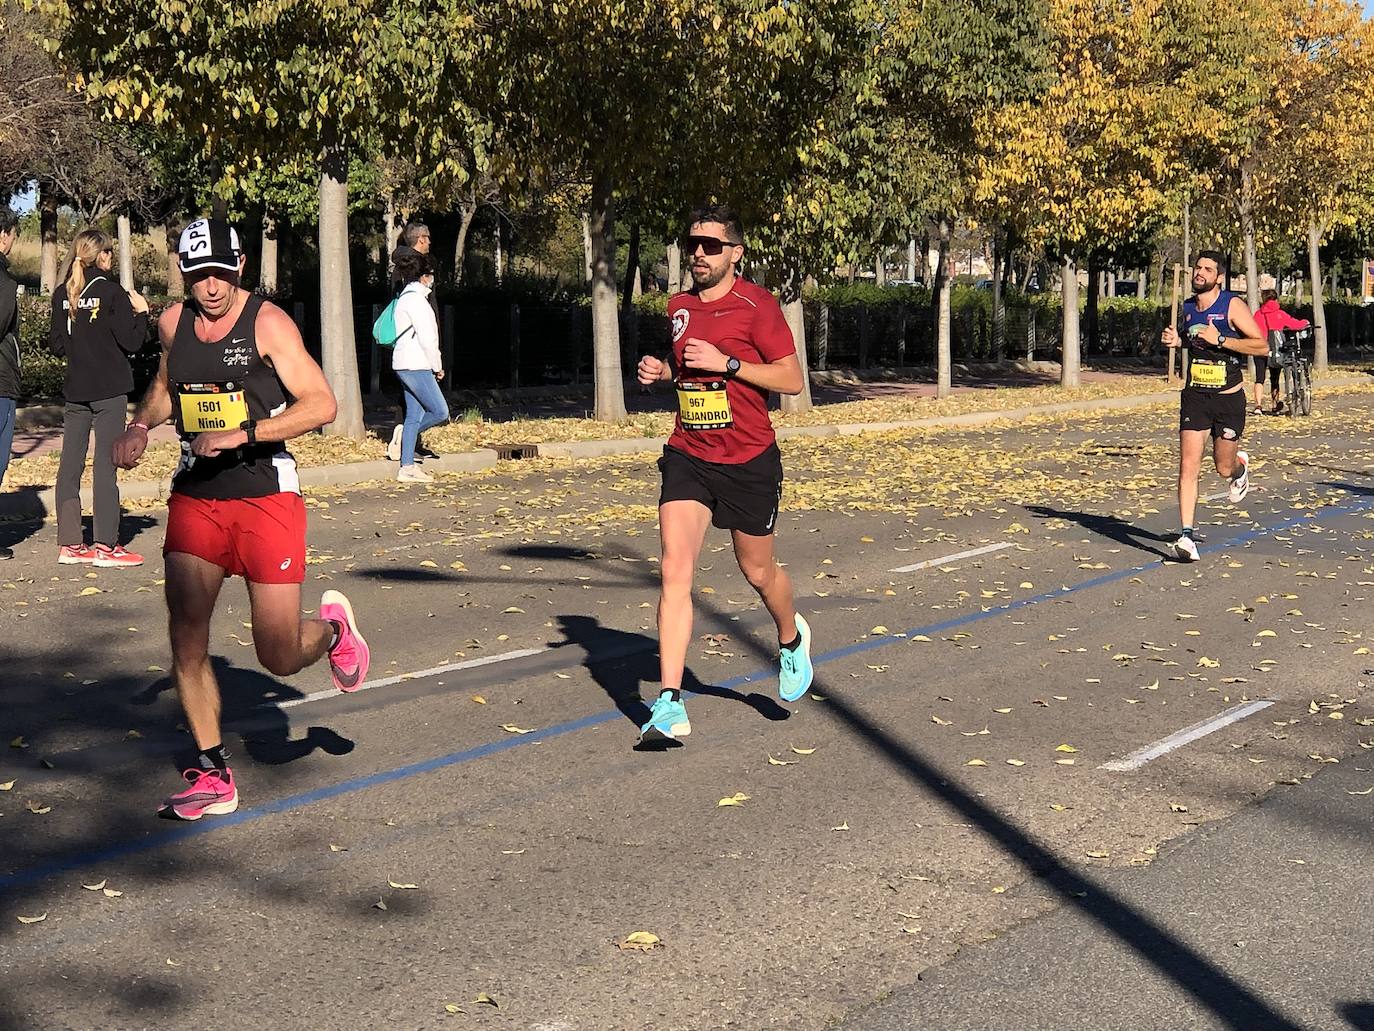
721	466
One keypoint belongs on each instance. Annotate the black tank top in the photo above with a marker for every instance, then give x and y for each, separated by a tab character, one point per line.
217	386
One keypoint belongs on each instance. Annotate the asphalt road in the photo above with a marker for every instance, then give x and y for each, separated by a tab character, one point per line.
941	787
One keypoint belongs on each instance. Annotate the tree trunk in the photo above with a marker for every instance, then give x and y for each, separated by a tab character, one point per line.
587	246
610	382
467	211
1247	228
388	235
337	347
879	269
1314	260
1094	279
1142	280
999	307
1187	261
1068	369
1297	291
126	251
627	294
171	237
500	271
911	261
944	380
267	265
47	206
795	315
674	267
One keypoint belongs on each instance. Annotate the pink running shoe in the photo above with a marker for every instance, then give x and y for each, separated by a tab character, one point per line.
75	554
349	658
110	558
211	793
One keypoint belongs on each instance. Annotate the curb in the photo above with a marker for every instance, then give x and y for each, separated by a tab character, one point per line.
34	503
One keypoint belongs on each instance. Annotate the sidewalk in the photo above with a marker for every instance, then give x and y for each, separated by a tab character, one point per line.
33	503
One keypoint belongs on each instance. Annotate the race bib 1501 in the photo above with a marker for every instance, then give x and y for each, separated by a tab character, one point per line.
704	406
211	407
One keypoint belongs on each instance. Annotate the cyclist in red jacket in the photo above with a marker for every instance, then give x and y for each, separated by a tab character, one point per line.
1271	318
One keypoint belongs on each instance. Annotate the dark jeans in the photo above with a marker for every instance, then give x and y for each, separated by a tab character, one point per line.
7	410
107	417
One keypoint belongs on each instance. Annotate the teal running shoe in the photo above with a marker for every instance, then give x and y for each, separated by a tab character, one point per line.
667	723
795	672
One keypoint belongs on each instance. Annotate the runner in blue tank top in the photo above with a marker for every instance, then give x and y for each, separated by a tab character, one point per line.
1218	332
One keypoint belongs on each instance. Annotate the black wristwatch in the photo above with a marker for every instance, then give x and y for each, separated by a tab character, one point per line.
250	427
731	368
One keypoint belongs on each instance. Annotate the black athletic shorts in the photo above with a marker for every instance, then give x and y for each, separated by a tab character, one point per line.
741	497
1222	414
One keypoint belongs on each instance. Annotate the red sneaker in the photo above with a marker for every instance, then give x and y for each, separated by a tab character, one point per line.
349	658
211	793
75	554
117	556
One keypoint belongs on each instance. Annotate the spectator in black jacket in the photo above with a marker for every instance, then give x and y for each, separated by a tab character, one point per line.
9	345
97	325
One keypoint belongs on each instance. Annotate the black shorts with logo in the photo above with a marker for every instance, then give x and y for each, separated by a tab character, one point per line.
741	497
1221	414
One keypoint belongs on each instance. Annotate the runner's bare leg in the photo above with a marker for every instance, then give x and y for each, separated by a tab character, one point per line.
682	527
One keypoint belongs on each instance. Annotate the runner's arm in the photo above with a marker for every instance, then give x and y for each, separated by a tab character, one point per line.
279	341
783	375
1251	339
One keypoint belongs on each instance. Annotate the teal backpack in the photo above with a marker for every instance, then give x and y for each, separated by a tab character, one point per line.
384	329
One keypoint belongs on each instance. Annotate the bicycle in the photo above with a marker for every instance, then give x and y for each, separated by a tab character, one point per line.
1297	370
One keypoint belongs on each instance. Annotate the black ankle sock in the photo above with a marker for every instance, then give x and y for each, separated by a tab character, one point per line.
674	694
213	758
792	645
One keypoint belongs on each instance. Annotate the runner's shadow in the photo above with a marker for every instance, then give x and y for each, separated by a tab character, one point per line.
1111	527
1360	1015
620	662
248	699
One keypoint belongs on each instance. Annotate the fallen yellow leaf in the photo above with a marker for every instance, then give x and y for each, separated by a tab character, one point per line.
640	941
738	798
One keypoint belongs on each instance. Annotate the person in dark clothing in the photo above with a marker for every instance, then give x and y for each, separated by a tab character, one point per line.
97	325
9	345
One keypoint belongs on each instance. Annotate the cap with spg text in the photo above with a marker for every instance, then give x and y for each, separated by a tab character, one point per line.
209	243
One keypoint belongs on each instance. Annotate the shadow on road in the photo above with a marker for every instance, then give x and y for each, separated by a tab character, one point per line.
1111	527
1360	1015
248	699
625	661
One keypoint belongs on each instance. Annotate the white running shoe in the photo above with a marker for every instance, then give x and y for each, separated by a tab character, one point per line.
1240	485
393	449
1185	550
413	474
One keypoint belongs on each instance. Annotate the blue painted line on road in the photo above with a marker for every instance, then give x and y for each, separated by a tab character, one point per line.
24	878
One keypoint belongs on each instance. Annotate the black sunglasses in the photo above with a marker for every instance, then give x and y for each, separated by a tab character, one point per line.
709	245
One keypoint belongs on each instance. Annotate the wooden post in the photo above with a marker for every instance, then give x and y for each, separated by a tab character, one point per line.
1173	321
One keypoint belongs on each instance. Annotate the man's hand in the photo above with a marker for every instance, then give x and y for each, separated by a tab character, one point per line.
208	445
1169	337
650	370
129	447
439	375
702	355
1209	335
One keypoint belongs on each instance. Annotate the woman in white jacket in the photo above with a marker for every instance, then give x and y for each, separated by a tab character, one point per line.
416	359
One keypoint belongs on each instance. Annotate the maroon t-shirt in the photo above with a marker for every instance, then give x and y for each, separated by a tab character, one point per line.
720	420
